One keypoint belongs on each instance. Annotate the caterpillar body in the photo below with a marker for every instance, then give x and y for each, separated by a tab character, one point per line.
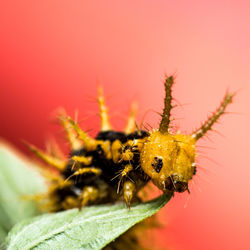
117	165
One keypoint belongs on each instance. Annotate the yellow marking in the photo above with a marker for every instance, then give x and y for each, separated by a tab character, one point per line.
116	151
105	124
53	161
130	127
106	146
82	159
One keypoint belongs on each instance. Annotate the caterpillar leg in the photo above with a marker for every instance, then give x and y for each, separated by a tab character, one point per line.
105	124
129	190
89	195
123	173
164	124
131	148
86	160
127	154
126	170
89	170
70	202
207	125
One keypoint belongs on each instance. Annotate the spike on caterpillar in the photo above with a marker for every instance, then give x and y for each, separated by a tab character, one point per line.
117	165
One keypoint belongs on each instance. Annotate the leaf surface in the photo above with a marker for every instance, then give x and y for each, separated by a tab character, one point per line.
18	179
91	228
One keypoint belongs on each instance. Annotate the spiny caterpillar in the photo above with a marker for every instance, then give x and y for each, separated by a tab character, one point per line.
118	165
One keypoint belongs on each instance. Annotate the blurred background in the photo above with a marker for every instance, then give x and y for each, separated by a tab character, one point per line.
53	53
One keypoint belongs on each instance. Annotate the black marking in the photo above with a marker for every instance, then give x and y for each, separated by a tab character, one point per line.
99	150
111	136
140	134
157	164
195	171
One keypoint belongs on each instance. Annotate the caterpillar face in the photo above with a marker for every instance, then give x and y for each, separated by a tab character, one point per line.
169	160
118	164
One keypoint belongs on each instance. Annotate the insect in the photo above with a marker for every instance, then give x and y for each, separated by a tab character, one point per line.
117	165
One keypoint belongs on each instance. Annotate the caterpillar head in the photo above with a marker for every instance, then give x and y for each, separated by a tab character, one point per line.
169	159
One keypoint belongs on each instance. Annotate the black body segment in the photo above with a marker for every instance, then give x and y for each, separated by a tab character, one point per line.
107	180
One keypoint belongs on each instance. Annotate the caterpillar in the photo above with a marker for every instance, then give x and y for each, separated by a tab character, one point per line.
116	165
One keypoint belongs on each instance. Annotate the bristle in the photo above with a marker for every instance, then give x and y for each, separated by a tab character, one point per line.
75	144
89	143
164	124
131	123
105	124
52	161
53	149
207	125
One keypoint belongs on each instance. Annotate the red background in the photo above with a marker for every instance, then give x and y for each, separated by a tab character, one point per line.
52	53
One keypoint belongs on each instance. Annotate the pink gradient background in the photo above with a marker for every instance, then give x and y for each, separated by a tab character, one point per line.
52	53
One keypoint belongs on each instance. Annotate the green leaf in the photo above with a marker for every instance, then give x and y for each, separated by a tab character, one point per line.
92	228
18	178
3	234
